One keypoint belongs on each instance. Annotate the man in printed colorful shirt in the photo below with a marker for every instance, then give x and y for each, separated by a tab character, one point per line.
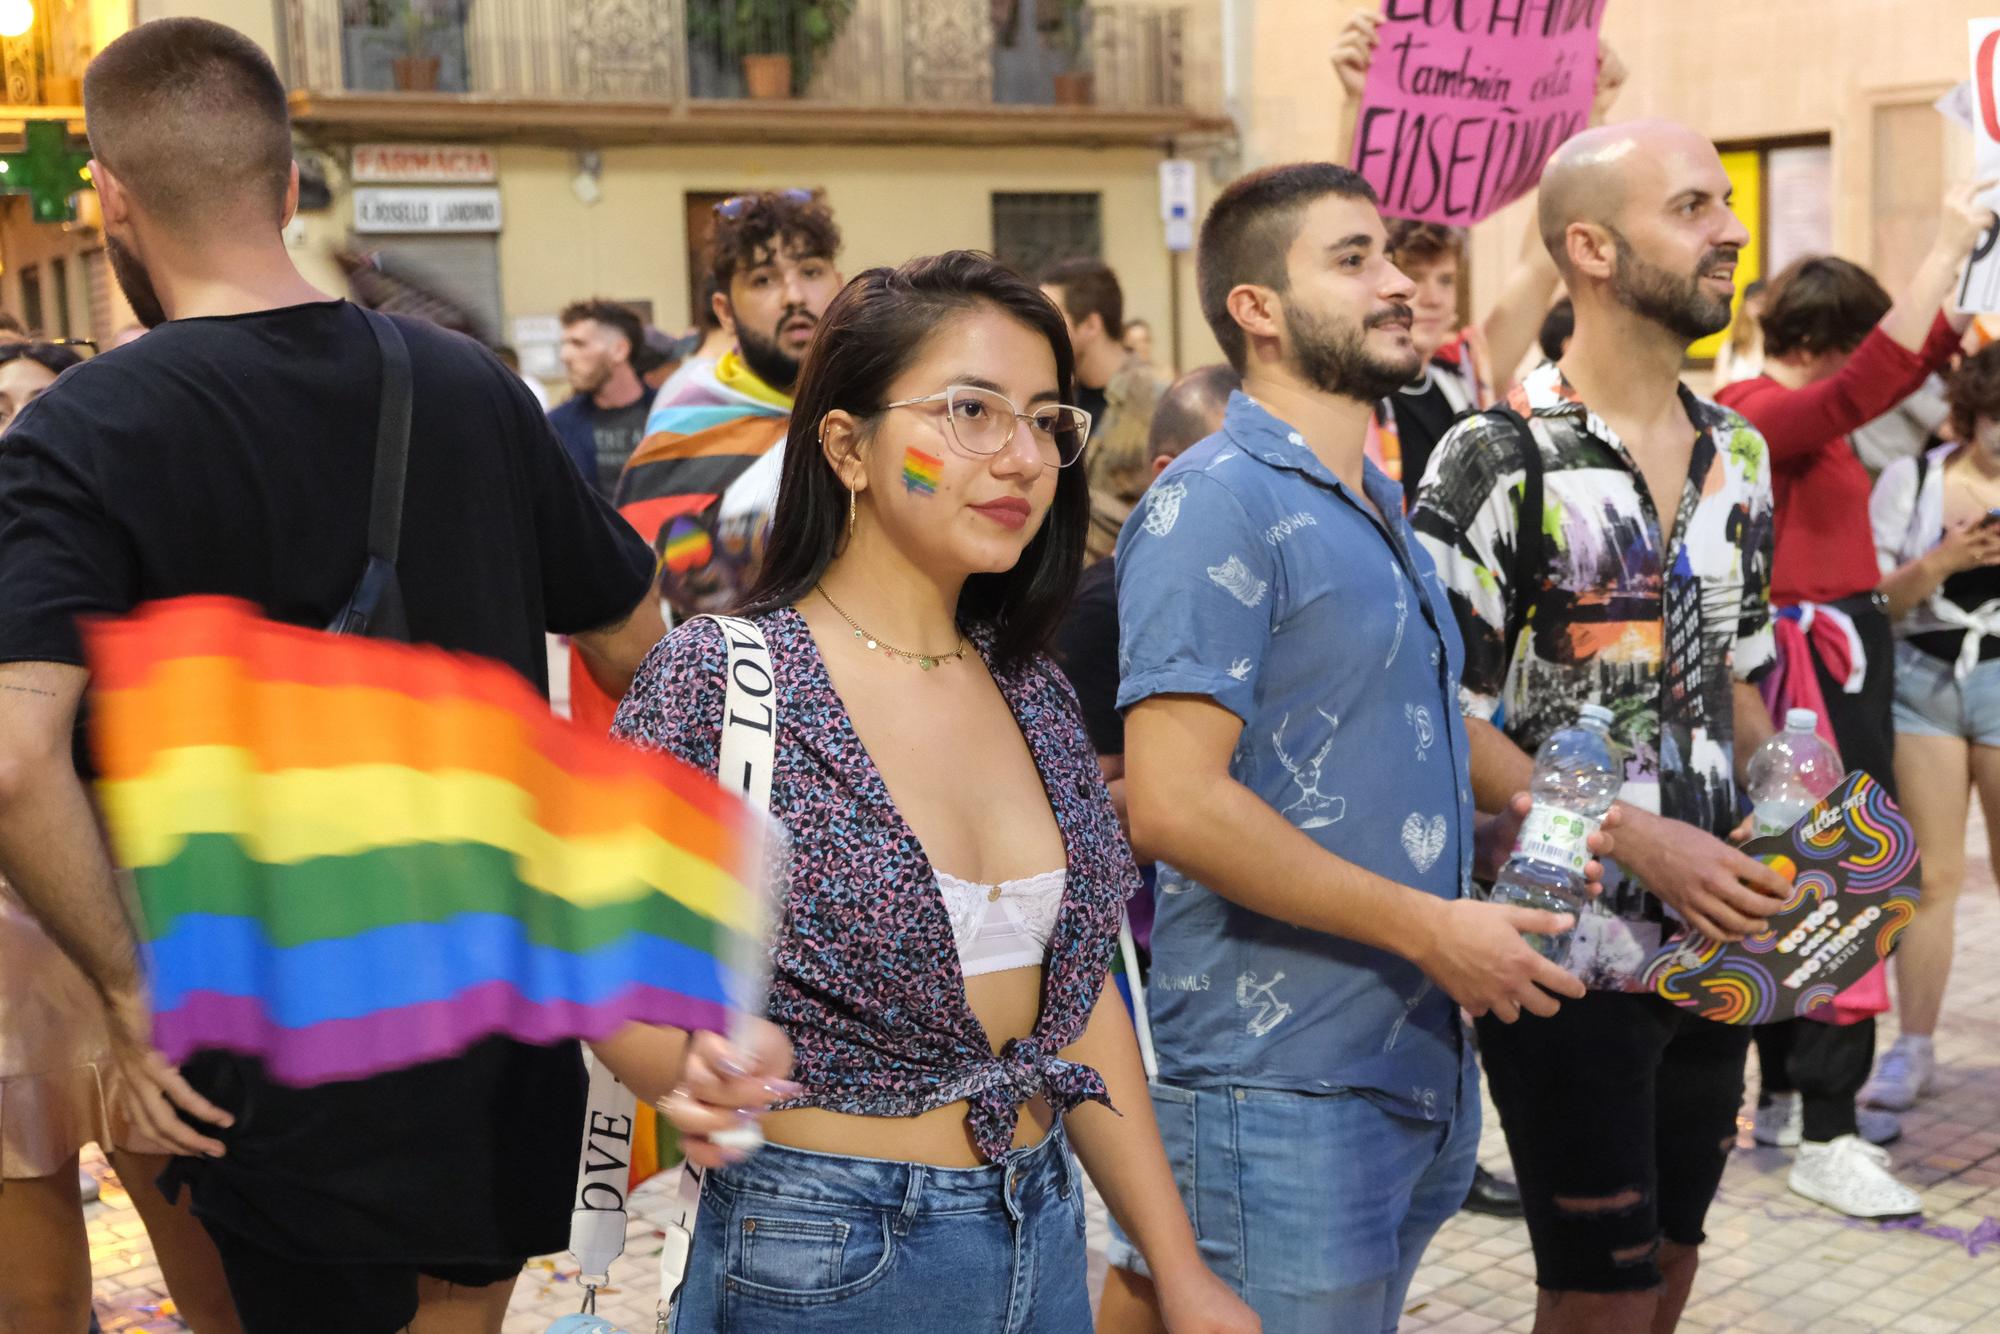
1650	596
701	486
1295	758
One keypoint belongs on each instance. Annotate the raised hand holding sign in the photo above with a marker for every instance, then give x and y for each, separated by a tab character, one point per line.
1465	100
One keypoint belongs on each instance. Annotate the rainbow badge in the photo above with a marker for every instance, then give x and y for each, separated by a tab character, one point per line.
921	472
687	546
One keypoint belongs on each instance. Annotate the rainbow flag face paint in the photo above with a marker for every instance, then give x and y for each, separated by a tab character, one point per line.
354	856
921	472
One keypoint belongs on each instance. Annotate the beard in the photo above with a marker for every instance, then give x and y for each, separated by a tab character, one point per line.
772	364
1675	303
588	380
1335	359
136	283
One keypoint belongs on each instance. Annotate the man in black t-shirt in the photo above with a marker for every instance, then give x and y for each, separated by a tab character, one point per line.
230	451
604	418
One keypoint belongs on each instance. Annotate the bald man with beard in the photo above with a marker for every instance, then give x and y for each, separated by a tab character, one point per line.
1647	574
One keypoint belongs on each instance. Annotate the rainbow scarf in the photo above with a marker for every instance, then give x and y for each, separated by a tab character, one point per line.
354	856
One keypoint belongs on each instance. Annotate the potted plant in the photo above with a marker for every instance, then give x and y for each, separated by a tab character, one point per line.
404	45
1076	86
776	41
416	70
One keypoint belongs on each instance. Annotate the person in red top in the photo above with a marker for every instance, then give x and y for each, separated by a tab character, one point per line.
1838	354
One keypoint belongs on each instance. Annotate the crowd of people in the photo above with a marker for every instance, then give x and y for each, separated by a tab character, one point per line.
1252	662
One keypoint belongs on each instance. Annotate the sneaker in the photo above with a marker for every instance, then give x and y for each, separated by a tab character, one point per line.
1906	1073
1852	1176
1877	1126
1781	1122
86	1186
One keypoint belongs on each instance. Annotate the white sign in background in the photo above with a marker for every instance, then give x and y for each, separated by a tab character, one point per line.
418	209
1177	203
538	343
1980	291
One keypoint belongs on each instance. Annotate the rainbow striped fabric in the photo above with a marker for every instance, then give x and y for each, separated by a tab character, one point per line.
353	856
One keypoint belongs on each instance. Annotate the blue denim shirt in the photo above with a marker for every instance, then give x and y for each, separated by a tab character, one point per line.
1251	575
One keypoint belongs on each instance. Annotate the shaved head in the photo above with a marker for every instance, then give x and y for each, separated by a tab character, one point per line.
1638	215
191	118
1595	175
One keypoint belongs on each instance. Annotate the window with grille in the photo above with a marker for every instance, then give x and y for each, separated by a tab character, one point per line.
31	300
59	273
1031	232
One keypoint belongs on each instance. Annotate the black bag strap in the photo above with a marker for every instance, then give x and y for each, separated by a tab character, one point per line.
1529	541
376	605
392	441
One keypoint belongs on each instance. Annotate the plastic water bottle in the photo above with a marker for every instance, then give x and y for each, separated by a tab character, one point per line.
1576	780
1791	773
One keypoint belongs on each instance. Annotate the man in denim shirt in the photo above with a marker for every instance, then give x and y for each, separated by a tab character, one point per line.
1296	760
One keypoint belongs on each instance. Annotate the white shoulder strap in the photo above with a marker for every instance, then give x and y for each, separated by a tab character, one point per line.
744	764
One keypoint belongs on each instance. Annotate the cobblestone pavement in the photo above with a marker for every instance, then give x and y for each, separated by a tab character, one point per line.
1773	1262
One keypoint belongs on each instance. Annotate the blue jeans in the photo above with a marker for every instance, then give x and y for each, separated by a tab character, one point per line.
1316	1208
792	1241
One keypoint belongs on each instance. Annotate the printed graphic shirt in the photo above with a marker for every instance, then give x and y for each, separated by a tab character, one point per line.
1651	627
1251	575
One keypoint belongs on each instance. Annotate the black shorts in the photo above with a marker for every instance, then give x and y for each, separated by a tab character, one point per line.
1620	1112
277	1295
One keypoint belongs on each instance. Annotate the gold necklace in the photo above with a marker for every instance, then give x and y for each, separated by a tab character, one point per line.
923	660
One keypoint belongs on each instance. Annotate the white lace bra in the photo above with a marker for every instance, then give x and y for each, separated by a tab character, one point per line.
1002	926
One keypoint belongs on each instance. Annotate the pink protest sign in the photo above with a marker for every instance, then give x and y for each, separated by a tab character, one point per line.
1466	99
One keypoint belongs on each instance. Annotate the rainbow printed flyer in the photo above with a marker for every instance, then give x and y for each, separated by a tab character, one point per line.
1852	862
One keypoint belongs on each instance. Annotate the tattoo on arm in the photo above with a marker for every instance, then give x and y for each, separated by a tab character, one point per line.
28	690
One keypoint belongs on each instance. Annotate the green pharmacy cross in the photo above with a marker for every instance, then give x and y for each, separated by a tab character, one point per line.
48	171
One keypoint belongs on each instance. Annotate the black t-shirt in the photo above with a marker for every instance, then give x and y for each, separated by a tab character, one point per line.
234	455
599	440
1423	416
1086	648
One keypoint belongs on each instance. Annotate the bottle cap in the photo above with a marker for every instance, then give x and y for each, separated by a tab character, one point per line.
1596	713
1801	720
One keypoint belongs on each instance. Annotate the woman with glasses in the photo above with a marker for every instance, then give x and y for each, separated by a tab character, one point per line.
957	872
26	369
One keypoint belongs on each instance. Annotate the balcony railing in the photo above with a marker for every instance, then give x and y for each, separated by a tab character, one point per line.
913	54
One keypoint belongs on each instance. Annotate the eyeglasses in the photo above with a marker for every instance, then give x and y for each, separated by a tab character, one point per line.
729	210
982	422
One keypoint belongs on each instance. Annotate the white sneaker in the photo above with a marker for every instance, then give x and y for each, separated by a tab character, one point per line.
1907	1072
1782	1122
1853	1177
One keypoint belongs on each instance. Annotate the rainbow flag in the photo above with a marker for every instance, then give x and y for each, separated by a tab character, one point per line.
353	856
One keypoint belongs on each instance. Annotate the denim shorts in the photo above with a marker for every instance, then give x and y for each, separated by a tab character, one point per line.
1314	1207
1930	702
790	1240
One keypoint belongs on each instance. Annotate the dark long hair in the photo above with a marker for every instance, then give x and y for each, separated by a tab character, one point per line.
870	334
